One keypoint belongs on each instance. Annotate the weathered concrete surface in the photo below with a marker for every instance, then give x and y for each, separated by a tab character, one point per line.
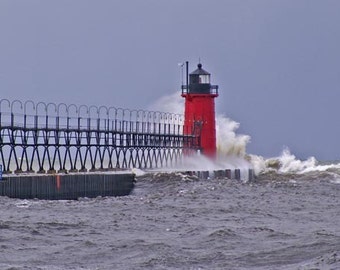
237	174
67	186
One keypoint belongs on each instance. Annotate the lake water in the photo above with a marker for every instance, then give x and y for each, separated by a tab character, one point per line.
173	221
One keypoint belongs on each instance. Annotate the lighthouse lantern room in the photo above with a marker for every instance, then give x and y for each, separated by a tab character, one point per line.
199	112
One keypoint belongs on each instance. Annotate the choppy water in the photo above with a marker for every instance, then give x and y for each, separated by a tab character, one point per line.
280	221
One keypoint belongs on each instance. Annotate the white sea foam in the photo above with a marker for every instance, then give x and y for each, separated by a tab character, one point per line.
229	143
289	163
173	103
138	172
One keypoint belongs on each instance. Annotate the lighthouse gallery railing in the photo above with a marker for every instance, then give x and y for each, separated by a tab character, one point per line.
48	137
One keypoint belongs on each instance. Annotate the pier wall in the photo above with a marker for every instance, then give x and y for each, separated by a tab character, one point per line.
67	186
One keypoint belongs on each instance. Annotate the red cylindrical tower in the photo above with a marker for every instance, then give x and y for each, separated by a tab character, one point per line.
199	113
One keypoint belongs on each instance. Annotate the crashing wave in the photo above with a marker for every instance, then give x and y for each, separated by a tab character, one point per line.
231	149
287	166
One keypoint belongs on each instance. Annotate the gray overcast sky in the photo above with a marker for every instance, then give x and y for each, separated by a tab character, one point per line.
277	62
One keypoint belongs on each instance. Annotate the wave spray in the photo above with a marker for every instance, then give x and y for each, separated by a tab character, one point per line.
232	148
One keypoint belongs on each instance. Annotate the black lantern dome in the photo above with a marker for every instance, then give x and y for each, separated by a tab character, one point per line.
199	82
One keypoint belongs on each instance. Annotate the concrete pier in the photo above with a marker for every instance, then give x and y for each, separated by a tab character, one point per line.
237	174
66	186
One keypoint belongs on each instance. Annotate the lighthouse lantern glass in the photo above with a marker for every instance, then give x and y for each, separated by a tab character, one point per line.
204	78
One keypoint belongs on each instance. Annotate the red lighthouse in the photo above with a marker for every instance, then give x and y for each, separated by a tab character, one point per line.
199	113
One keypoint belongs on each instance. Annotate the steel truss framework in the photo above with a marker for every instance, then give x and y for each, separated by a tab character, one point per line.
58	137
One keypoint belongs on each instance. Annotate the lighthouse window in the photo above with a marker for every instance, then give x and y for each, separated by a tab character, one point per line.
204	79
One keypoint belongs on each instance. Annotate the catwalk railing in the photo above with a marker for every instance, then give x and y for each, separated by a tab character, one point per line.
48	137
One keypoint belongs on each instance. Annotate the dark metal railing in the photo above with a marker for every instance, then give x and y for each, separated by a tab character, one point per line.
213	90
49	137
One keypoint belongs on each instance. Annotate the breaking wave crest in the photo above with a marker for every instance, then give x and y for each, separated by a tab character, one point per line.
288	166
229	143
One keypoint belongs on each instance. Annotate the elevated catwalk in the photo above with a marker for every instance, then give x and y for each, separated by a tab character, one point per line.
59	151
